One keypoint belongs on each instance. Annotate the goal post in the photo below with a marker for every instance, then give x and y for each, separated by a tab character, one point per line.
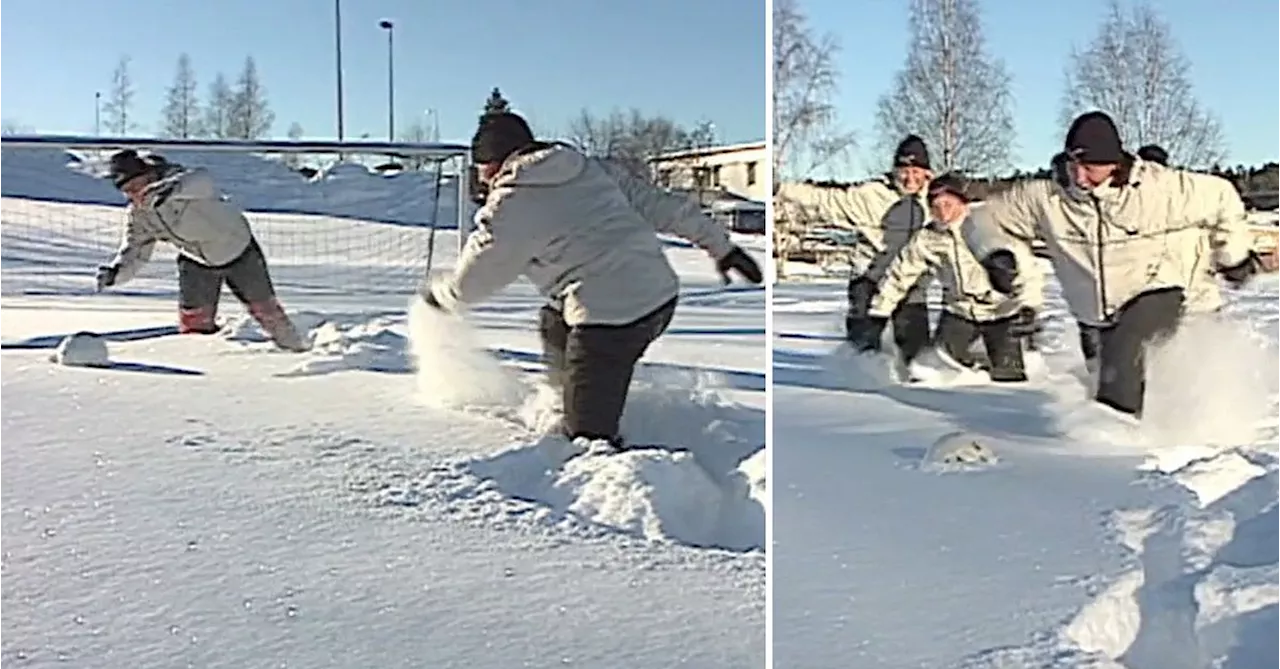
356	220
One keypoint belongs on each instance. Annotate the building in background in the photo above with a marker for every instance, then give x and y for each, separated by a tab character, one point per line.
730	182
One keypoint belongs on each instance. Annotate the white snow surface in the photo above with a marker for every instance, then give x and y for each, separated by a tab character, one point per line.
390	498
1091	541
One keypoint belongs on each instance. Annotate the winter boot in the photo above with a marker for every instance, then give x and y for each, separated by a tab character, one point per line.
270	315
200	320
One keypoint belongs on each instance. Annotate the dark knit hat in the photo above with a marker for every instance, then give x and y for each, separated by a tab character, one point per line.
911	152
1154	154
125	165
949	183
499	136
1094	139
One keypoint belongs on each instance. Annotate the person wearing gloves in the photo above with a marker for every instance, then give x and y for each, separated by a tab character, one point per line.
182	206
1123	236
584	232
885	213
972	309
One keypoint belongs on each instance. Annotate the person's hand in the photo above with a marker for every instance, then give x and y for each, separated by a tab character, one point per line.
740	262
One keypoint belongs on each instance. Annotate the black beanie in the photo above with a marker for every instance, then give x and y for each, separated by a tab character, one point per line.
125	165
911	153
1093	138
499	136
949	183
1154	154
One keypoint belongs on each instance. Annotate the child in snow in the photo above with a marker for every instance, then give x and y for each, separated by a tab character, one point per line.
972	309
583	231
1125	239
170	203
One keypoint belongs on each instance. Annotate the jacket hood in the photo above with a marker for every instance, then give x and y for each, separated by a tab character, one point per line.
549	165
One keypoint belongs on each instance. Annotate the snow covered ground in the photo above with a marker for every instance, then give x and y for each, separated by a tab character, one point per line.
207	502
1088	544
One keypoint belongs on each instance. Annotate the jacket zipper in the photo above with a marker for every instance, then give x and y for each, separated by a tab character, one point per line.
1102	274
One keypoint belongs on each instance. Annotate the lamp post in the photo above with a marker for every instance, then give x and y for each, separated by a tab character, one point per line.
97	114
391	78
337	43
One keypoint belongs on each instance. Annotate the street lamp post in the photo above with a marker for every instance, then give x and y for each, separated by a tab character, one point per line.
97	114
391	78
337	43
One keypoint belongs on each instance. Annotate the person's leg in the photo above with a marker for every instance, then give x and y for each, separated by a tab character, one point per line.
554	333
1143	321
250	281
599	364
1005	351
910	329
955	337
860	292
199	288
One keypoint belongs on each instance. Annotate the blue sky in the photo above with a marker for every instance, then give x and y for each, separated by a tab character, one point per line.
550	58
1231	45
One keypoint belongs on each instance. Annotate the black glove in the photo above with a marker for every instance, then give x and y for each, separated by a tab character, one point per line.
1237	275
1025	323
864	333
106	276
1002	270
738	261
861	291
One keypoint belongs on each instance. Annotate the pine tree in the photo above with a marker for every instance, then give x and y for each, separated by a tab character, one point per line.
217	113
250	116
181	113
119	101
496	104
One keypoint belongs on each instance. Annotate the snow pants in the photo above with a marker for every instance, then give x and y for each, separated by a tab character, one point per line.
1145	320
593	366
200	290
910	319
956	337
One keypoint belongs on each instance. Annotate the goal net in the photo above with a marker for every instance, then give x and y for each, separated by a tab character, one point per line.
357	223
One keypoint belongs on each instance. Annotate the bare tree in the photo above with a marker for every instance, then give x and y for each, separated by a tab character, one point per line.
10	127
632	138
416	133
950	91
806	133
250	116
1135	72
181	113
119	103
217	111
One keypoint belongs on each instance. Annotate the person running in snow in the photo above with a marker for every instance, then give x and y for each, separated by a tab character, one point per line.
1203	295
182	206
972	309
1123	235
885	213
584	232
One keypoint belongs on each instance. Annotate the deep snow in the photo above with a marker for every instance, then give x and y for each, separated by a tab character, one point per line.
1089	543
206	501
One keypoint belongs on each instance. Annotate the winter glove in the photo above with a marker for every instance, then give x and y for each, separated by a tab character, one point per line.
1002	270
864	333
106	276
1025	323
739	261
861	291
1237	275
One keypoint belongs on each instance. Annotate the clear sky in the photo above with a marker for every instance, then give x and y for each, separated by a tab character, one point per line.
1232	46
690	60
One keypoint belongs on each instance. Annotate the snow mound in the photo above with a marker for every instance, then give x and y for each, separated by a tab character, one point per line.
707	492
82	349
452	372
959	451
244	329
371	345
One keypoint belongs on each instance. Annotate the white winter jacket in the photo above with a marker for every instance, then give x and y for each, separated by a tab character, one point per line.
940	250
583	231
1113	243
183	208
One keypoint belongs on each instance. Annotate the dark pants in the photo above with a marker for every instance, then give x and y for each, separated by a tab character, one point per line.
200	290
957	335
910	320
1145	320
593	365
1089	336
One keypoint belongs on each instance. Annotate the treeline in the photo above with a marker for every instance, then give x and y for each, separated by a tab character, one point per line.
225	111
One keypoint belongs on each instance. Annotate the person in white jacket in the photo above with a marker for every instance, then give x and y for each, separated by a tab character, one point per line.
583	231
1124	236
972	309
